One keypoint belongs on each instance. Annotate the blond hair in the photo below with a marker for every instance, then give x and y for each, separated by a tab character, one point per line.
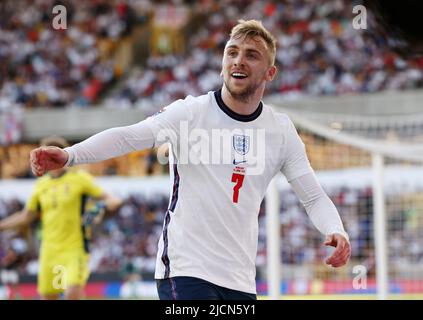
254	28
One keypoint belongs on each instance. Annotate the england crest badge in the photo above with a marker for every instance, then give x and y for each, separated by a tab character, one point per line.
241	144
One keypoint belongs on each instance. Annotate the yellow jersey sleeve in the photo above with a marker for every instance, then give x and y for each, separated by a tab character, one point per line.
88	184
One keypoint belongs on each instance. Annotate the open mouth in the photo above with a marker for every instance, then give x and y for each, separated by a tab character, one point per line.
239	75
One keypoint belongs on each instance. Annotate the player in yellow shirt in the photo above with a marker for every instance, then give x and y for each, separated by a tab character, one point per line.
59	200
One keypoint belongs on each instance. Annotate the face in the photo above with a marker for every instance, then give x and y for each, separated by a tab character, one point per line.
246	67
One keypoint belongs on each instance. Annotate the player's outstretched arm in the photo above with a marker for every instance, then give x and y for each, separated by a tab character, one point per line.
18	219
44	159
320	209
105	145
325	217
118	141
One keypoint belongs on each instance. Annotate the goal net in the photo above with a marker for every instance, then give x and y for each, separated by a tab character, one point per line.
369	161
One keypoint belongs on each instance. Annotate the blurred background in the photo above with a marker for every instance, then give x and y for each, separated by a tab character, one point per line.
356	103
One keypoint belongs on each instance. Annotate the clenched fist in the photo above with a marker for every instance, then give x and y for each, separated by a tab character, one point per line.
44	159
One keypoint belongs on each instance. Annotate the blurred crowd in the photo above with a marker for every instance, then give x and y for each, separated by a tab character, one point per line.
319	52
42	66
127	240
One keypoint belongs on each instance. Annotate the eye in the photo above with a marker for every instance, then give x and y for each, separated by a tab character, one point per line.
252	55
231	53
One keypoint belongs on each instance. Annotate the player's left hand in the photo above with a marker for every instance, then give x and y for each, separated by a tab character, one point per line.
342	252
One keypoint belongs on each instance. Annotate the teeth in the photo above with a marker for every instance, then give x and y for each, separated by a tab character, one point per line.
238	74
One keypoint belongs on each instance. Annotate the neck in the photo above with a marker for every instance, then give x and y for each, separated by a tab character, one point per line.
246	107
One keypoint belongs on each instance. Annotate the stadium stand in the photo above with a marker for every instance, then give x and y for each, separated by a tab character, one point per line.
319	54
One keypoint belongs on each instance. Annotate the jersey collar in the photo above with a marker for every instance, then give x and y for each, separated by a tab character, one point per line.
236	116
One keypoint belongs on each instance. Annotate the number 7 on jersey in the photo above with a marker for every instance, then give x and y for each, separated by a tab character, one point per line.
238	179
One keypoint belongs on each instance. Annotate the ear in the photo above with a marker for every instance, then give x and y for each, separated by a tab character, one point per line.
271	73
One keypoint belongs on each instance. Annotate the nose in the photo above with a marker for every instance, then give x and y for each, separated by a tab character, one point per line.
239	60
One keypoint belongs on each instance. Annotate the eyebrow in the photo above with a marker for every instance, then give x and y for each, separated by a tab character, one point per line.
233	46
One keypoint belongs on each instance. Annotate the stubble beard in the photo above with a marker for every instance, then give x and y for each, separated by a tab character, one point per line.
244	95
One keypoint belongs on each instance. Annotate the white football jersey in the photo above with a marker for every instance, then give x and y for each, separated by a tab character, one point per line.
221	163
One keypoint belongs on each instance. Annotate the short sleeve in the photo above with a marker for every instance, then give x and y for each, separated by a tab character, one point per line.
88	185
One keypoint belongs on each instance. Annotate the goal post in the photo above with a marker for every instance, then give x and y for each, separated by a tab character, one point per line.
273	240
369	166
380	227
